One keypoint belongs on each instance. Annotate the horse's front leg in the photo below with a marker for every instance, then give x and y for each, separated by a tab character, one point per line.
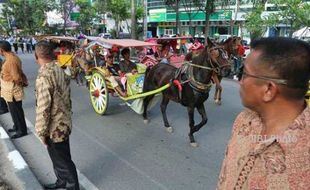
204	120
190	111
217	95
146	102
163	108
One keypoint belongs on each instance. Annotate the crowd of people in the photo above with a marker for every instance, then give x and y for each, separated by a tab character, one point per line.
270	142
21	44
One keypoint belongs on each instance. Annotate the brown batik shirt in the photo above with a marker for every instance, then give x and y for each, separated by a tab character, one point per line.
11	78
53	103
253	162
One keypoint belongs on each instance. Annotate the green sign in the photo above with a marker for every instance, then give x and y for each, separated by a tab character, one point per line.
158	15
200	16
74	16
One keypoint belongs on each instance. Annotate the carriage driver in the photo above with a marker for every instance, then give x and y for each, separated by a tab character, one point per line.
114	75
126	65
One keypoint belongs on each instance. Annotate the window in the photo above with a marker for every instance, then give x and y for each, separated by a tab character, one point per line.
168	31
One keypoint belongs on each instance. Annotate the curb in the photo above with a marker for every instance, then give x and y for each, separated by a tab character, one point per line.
21	168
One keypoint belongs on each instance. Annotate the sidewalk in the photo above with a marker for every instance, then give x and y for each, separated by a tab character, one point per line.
14	171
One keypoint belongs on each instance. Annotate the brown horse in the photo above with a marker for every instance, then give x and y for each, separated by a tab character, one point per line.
195	83
231	47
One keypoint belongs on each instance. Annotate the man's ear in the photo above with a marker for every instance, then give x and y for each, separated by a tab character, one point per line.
270	91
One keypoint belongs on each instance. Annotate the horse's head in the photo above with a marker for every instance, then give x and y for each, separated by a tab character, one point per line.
231	45
219	59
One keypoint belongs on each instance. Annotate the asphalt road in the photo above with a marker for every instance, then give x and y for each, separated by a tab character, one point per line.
118	151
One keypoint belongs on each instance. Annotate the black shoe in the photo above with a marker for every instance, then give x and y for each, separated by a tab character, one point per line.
54	186
11	130
3	111
18	135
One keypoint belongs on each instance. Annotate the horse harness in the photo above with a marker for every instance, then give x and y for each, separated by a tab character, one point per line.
187	69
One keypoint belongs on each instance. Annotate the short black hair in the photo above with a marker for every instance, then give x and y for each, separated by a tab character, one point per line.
5	46
45	50
124	51
289	59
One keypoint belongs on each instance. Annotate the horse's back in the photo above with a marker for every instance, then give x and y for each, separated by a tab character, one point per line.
158	76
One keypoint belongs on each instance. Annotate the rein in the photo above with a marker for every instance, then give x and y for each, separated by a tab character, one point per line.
188	69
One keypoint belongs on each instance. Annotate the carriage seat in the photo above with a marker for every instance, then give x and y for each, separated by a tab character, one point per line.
135	82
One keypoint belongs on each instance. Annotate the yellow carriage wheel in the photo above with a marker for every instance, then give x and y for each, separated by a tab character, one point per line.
98	92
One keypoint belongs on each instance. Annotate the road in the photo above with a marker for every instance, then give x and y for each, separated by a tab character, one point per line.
118	151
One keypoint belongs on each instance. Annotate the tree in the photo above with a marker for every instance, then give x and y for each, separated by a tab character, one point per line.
136	15
133	19
191	11
87	14
64	7
27	15
175	5
294	13
119	12
208	7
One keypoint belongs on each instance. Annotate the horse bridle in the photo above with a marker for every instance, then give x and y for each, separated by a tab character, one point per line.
222	53
199	86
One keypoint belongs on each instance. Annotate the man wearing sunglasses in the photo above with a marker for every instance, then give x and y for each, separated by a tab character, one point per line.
270	143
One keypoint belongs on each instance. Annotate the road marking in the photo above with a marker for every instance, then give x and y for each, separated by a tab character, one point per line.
17	160
83	180
123	160
3	134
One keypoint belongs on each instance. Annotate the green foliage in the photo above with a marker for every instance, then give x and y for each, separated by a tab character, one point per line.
29	15
255	24
140	12
294	13
87	15
119	9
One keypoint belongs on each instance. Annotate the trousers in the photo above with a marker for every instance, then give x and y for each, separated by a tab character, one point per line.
63	165
3	105
18	116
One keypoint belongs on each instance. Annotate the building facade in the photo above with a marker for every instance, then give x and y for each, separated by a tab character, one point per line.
228	19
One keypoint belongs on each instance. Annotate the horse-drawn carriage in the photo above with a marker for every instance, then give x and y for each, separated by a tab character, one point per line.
170	50
189	86
100	87
64	49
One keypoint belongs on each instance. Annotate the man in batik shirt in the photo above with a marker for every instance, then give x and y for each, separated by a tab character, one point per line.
53	116
270	143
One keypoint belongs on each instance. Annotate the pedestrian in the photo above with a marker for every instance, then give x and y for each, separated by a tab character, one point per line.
270	143
28	45
21	44
3	105
15	45
13	81
33	42
53	116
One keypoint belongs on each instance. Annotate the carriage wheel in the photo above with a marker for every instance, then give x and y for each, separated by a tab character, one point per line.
98	92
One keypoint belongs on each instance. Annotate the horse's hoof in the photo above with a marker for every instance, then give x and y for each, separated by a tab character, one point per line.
169	129
218	102
146	121
194	144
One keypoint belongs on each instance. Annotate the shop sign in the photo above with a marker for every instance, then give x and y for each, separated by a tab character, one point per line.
158	15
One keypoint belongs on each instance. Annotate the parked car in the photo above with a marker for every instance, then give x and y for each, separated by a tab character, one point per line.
123	35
